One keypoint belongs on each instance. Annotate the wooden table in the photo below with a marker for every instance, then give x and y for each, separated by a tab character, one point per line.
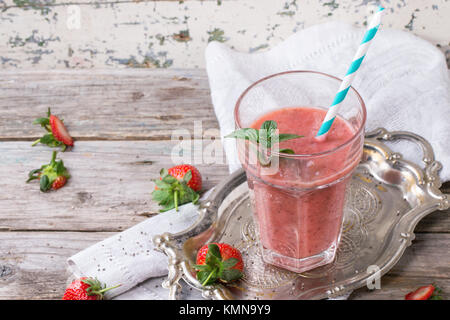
122	121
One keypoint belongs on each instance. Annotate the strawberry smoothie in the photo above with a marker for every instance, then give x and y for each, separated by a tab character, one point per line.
299	209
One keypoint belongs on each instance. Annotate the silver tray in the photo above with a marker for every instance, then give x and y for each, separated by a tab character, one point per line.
387	197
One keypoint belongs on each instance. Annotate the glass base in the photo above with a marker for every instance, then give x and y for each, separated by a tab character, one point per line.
299	265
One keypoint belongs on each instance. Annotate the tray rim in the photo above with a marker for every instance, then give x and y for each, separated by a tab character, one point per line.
428	179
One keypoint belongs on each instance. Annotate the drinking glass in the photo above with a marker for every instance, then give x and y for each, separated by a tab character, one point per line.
298	205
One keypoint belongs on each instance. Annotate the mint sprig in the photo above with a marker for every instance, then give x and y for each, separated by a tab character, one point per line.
265	137
215	268
171	192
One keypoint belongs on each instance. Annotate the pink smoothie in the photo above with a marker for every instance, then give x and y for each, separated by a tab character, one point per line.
299	209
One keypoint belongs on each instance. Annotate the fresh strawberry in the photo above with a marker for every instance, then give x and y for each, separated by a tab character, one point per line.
218	261
424	293
57	134
59	131
178	172
59	182
176	186
85	289
53	175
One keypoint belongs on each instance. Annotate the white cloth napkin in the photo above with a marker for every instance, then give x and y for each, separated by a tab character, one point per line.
128	258
403	80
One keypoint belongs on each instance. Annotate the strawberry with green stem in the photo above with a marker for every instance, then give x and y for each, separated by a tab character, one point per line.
176	186
86	289
218	262
57	134
266	137
429	292
51	176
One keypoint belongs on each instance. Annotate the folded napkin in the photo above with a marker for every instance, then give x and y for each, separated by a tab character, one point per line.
403	81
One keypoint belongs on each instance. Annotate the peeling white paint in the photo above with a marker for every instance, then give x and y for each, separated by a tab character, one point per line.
84	34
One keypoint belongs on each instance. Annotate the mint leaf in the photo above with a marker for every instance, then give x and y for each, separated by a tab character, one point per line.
269	126
247	134
266	136
287	136
288	151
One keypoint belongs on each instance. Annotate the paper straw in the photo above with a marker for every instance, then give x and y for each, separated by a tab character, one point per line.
345	84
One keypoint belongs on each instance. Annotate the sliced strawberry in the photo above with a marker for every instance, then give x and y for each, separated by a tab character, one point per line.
423	293
59	182
59	131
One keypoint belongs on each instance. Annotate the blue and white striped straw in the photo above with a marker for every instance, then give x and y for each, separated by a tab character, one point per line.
345	84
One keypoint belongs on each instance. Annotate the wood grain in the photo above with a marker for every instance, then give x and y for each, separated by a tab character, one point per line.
110	185
33	265
106	105
109	189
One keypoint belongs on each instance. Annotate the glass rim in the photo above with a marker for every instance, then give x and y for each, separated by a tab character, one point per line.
294	156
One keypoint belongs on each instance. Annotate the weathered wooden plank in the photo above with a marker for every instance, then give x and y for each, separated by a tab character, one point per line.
32	265
427	261
109	189
396	287
110	185
116	104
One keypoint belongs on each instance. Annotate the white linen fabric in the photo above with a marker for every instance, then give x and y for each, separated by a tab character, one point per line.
403	80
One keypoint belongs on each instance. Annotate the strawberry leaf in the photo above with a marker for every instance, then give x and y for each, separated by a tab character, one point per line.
44	122
187	177
207	278
171	192
44	183
229	263
202	267
229	275
213	250
48	173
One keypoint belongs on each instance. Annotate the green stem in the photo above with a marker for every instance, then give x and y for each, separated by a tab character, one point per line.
36	142
176	199
207	279
53	157
110	288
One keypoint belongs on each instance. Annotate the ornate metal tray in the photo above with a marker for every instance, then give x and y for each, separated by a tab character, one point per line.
387	197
